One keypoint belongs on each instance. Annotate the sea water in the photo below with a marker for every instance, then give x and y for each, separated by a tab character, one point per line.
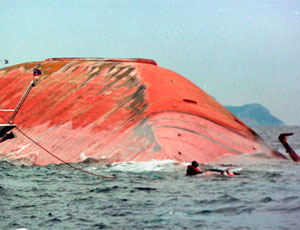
156	194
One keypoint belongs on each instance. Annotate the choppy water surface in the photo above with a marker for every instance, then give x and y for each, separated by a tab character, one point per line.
155	195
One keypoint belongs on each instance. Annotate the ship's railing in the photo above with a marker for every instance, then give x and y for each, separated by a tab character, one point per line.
5	128
16	110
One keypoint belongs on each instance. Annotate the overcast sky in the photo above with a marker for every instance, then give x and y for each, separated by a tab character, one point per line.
238	51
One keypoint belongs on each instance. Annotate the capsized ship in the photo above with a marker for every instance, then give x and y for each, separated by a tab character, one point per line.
114	110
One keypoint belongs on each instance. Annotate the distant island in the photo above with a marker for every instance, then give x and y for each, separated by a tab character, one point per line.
255	115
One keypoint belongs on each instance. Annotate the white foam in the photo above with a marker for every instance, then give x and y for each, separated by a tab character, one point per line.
153	165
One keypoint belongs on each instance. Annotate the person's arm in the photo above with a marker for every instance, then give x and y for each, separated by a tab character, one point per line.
214	170
226	172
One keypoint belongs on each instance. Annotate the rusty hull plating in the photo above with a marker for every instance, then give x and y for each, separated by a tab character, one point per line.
117	110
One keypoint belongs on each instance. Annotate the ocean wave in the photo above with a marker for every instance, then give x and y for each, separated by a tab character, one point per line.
153	165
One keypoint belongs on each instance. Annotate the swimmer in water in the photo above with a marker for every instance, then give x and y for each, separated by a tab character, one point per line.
192	170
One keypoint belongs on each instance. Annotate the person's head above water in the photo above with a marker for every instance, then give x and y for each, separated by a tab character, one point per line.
195	164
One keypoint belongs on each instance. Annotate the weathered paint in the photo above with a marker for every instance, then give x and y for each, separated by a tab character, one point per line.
114	110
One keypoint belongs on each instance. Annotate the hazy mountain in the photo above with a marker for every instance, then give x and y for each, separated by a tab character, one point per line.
255	115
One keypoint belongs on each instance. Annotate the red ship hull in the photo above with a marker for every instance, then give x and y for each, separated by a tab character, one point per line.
117	111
